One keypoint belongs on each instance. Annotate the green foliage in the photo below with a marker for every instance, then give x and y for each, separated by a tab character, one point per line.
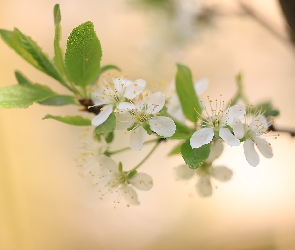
72	120
267	108
83	55
194	157
181	132
59	100
110	137
186	93
21	79
30	51
58	55
24	95
108	126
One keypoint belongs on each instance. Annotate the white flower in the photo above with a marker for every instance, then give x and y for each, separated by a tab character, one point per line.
145	114
216	124
173	105
92	154
114	179
206	171
113	95
251	132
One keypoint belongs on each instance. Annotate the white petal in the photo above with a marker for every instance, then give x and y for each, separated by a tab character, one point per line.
124	121
103	115
204	187
228	137
137	138
142	181
236	111
264	147
201	137
163	126
222	173
135	88
174	109
129	195
124	106
215	150
184	172
201	85
250	153
238	128
108	163
155	102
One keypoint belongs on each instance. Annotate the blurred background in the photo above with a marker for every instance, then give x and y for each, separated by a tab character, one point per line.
45	204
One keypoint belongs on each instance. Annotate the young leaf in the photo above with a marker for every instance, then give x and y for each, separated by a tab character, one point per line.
21	79
30	51
110	137
83	55
24	95
194	157
59	100
58	55
186	93
108	126
72	120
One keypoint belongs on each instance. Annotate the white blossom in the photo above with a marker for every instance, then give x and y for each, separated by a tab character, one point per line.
91	155
112	95
206	172
216	124
115	180
251	132
145	114
173	104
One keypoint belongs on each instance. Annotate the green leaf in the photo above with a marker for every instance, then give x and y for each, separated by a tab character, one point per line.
23	95
194	157
72	120
58	55
176	150
30	51
59	100
105	68
186	93
267	108
108	126
110	137
147	128
21	79
83	55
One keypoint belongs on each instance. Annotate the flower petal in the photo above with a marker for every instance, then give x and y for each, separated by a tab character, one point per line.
129	194
155	102
142	181
137	138
123	121
264	147
204	187
201	85
250	153
183	172
135	88
108	163
236	111
201	137
238	128
228	137
103	115
174	109
124	106
221	173
215	150
163	126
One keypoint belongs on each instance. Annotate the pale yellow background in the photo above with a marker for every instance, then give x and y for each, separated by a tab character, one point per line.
45	204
